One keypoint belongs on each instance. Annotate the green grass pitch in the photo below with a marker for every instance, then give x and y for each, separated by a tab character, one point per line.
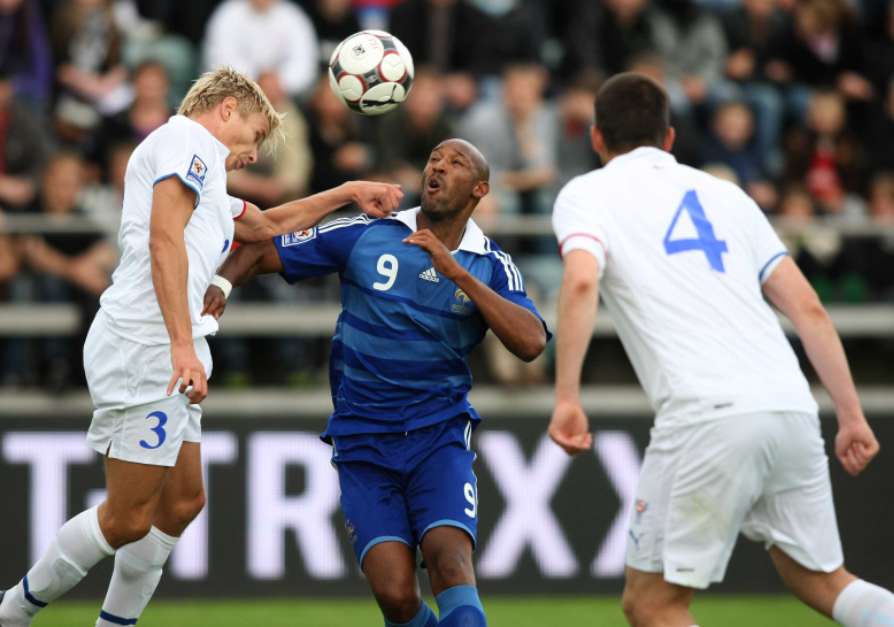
739	611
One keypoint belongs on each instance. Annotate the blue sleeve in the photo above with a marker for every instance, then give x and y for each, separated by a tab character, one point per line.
318	251
506	280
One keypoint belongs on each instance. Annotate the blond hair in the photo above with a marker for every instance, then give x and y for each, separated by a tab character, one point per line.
212	87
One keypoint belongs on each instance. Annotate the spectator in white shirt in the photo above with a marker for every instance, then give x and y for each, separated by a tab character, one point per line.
258	36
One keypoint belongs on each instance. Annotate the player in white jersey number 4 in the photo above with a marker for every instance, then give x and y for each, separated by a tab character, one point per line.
683	261
178	225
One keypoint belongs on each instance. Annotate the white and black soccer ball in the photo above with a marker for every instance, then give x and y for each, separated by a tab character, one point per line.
371	71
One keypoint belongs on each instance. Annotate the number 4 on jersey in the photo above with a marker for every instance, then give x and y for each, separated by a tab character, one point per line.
705	239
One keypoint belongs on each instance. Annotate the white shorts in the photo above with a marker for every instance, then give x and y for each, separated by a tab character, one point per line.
134	420
766	475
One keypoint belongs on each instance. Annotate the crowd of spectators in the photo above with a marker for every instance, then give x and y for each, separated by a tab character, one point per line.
791	99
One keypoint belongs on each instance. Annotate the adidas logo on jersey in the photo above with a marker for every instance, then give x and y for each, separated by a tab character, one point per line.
430	275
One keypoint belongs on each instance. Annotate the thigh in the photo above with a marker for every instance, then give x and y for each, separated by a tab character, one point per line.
442	491
447	552
133	491
797	512
373	504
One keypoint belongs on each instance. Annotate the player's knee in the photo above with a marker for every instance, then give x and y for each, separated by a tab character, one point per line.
639	608
186	509
452	567
398	600
123	528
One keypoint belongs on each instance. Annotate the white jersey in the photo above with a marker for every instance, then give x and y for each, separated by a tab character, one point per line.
185	149
682	256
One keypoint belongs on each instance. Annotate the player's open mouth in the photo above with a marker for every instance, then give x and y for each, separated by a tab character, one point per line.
432	185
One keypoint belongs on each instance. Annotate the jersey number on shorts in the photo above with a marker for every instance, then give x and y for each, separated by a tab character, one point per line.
705	239
387	267
158	430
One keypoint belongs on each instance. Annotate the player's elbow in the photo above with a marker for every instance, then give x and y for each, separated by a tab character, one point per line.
533	347
810	311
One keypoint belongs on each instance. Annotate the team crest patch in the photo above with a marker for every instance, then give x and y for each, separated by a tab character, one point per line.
197	170
461	306
299	237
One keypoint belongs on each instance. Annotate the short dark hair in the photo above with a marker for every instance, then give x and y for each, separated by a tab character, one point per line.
632	110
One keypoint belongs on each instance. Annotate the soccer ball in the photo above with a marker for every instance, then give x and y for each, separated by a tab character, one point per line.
371	72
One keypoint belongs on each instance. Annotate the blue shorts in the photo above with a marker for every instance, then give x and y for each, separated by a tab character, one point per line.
395	487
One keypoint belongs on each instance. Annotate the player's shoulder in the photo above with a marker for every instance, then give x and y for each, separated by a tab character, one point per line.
705	182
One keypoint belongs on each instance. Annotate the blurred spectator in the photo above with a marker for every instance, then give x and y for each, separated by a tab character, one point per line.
732	144
91	77
880	139
147	112
102	201
257	36
25	50
575	152
333	20
406	137
73	267
825	157
880	51
607	36
519	137
282	172
690	39
23	149
822	48
336	143
879	251
450	36
751	31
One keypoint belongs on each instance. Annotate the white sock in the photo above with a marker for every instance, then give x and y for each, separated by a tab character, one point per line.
77	548
137	572
862	604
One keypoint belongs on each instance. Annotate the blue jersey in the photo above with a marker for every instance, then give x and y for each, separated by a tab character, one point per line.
398	359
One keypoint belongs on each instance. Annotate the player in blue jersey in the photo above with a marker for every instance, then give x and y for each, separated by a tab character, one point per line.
419	290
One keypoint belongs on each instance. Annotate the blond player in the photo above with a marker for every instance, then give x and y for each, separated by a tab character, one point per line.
684	262
146	357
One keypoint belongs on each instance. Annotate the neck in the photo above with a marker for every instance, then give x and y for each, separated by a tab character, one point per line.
449	230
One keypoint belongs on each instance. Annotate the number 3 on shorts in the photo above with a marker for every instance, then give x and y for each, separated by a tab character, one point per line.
158	430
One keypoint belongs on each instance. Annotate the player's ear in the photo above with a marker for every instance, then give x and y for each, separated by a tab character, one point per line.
228	107
481	189
669	138
597	141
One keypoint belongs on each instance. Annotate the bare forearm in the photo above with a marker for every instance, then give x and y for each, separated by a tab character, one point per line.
170	271
578	303
295	215
517	328
249	261
826	354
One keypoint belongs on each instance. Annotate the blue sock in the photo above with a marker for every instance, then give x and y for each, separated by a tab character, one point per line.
460	606
425	618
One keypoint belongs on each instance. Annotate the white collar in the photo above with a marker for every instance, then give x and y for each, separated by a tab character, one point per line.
473	240
221	147
646	153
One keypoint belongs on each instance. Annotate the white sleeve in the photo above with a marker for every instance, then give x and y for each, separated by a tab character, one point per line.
238	207
768	249
183	155
577	225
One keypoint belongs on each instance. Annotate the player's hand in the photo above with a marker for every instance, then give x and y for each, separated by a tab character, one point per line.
569	428
215	302
378	200
441	259
189	373
855	446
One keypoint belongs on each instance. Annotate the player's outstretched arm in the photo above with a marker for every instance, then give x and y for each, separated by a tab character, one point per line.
790	292
246	262
517	328
375	199
172	207
578	303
